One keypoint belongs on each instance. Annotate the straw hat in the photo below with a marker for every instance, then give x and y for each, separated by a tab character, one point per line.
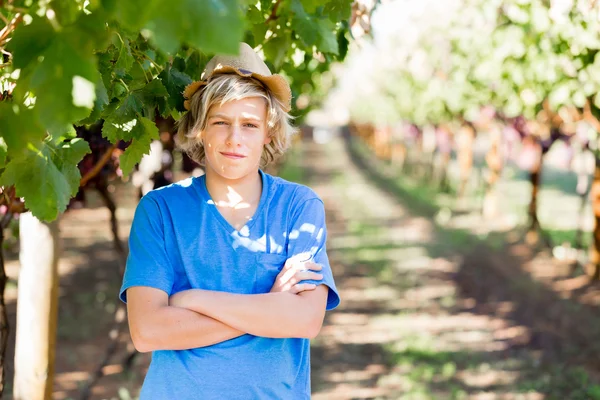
247	64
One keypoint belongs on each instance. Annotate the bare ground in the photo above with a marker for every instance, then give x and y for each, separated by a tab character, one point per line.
427	312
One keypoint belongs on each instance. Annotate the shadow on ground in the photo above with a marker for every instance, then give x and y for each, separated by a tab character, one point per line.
540	342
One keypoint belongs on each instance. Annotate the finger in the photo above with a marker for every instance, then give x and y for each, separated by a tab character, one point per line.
288	270
292	267
313	266
303	287
288	264
308	276
287	275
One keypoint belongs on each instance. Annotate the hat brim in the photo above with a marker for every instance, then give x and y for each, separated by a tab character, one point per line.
277	84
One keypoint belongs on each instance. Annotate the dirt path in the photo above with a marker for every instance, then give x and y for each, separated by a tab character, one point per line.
423	315
414	322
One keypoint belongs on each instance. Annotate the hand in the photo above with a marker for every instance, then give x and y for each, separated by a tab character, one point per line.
293	273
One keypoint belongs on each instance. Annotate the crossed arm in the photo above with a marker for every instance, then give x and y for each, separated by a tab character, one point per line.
198	318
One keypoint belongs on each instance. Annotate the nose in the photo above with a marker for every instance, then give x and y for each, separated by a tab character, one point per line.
235	136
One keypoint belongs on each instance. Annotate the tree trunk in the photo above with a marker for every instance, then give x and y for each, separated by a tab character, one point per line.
37	309
415	158
465	156
428	145
493	159
535	175
443	183
595	199
4	327
583	190
381	138
398	156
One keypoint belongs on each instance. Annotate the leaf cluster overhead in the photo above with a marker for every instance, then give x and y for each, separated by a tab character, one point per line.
126	62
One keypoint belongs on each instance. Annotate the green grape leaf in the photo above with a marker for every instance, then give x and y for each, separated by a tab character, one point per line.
91	30
276	49
266	5
124	59
152	90
312	31
30	41
99	104
19	127
327	41
310	6
119	125
66	156
120	118
59	137
137	77
343	43
3	151
259	32
132	14
255	16
66	11
143	133
175	82
338	10
46	176
65	91
304	25
194	64
178	63
178	21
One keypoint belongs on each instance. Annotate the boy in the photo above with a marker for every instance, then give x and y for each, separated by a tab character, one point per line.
227	277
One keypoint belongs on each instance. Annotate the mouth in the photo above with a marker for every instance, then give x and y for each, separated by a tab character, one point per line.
233	156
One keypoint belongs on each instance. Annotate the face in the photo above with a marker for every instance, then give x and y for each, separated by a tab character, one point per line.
234	138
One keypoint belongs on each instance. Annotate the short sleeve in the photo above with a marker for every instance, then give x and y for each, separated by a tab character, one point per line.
147	262
307	239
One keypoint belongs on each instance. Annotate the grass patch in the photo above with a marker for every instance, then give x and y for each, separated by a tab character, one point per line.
428	374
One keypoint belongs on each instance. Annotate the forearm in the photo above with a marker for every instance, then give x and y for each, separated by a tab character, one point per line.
275	315
173	328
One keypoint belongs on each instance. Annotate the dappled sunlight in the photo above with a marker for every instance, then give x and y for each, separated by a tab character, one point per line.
591	297
364	297
411	325
431	292
570	284
407	326
485	376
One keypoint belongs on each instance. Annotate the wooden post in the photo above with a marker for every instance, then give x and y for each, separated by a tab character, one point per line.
37	309
4	326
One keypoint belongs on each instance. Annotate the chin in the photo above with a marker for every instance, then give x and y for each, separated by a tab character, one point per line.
234	172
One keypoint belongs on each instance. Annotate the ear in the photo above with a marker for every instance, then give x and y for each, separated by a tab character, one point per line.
268	139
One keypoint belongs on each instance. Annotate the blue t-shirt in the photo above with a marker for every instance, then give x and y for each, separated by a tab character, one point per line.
179	240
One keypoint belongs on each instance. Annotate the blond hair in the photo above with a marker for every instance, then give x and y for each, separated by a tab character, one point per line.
219	90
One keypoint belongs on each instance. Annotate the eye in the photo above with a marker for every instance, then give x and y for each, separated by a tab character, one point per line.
219	123
250	125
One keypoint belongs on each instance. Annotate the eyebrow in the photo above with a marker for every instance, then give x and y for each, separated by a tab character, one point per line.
218	115
243	118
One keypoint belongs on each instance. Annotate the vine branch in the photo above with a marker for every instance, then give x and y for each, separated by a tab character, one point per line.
91	174
273	16
9	28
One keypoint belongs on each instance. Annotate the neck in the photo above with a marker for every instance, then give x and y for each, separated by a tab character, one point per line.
238	193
